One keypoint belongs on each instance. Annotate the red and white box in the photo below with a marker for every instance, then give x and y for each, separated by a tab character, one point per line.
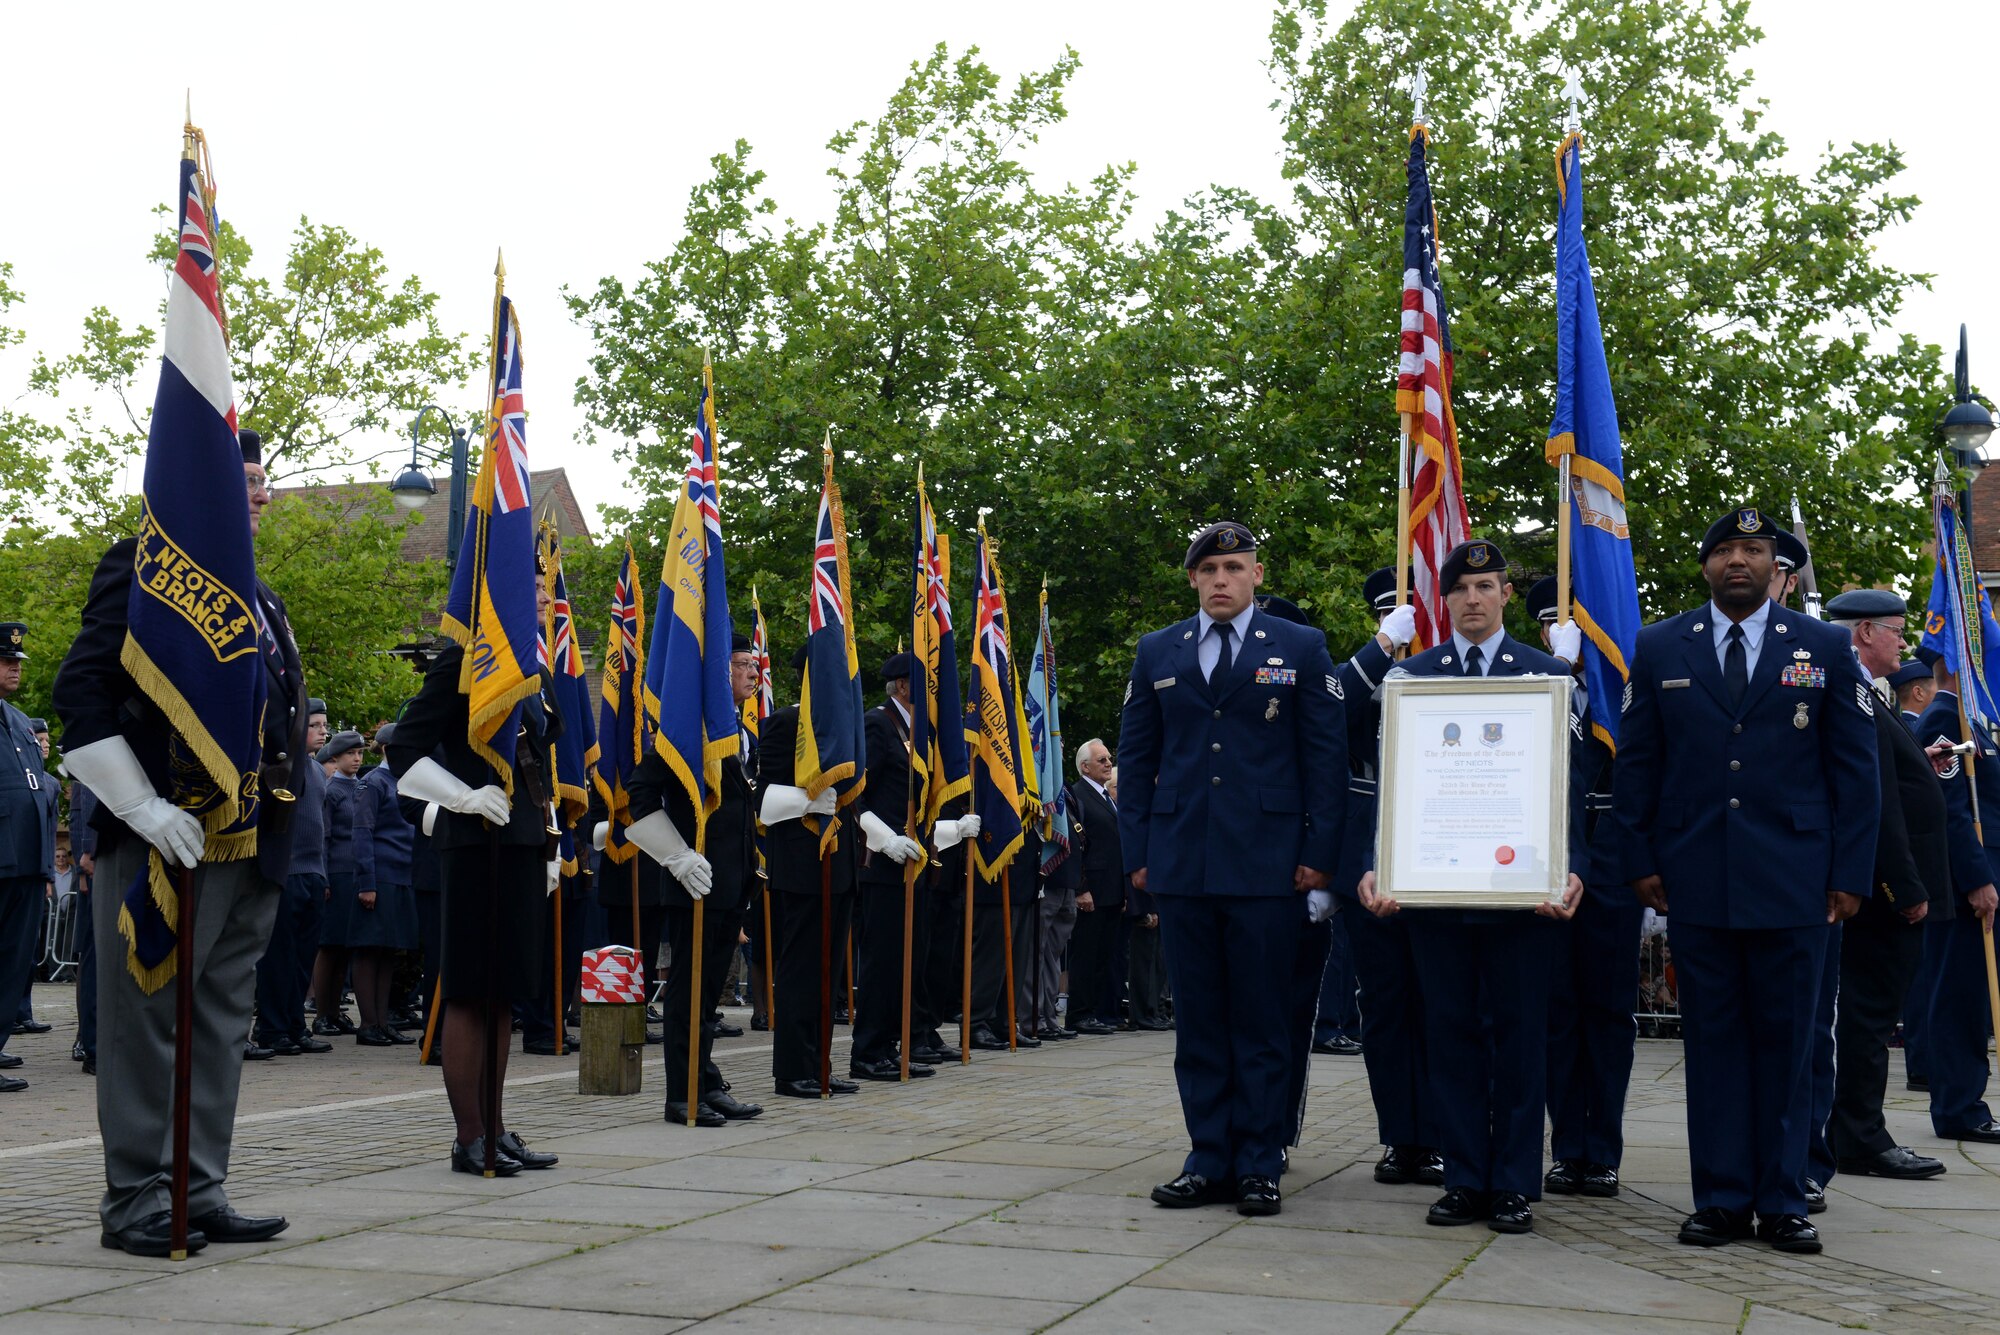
611	973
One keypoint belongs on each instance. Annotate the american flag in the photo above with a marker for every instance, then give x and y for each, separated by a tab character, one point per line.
1438	520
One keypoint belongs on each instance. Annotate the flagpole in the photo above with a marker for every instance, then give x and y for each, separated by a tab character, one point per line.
1403	461
431	1021
488	1065
695	1017
561	1000
1574	126
770	967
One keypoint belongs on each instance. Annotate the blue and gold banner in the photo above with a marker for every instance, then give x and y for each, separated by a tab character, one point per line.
996	729
576	745
938	758
831	750
621	723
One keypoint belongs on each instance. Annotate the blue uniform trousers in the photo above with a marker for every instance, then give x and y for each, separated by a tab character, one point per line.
1747	1001
20	915
1490	1080
1392	1028
1917	1011
1338	1017
1593	987
1230	958
1820	1164
1308	968
281	994
1955	1033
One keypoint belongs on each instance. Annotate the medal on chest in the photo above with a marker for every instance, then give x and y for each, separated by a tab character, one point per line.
1800	719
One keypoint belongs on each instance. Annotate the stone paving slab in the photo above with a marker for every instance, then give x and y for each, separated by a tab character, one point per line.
1159	1312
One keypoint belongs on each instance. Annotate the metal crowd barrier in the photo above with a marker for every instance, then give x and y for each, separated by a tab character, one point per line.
1659	1003
62	947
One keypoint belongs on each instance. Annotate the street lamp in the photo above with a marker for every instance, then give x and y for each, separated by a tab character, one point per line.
413	488
1968	424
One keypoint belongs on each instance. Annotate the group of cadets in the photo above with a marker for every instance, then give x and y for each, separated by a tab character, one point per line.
1762	790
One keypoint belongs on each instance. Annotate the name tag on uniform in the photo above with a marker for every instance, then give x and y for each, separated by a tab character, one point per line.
1277	676
1803	674
1677	683
1163	683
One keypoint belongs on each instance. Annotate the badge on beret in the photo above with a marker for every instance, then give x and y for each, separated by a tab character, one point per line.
1226	540
1478	556
1749	520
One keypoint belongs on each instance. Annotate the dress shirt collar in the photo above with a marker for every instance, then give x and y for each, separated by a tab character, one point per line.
1239	625
1753	626
1489	648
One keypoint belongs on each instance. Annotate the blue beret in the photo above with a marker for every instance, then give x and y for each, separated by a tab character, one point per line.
739	644
38	725
339	745
898	666
1914	670
1226	538
1542	600
315	705
1379	591
1861	604
1477	557
252	443
1282	608
1748	522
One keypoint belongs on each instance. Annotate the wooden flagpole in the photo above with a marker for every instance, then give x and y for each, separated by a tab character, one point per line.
431	1022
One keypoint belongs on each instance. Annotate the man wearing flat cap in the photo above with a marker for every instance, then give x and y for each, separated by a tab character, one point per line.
1880	947
285	972
118	744
1490	1079
1748	804
27	846
1230	813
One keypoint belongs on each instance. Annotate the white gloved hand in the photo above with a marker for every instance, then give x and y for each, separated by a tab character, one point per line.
429	781
109	769
598	835
555	875
1319	905
825	804
1566	641
898	848
430	817
950	833
1399	626
661	840
781	802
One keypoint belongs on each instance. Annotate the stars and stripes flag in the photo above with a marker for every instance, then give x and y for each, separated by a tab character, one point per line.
938	759
1430	461
193	620
689	703
491	609
621	719
831	750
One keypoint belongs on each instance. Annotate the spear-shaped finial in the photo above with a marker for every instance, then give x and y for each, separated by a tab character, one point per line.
499	263
1418	87
826	442
1573	91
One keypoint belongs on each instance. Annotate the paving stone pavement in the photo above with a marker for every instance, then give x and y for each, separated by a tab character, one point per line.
1008	1196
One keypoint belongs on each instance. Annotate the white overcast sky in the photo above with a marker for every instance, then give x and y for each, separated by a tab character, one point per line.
570	135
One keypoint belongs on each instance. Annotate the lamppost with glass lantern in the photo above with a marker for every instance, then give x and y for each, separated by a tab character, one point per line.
413	488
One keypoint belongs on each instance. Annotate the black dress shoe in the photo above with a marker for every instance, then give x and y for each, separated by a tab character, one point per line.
510	1143
759	1025
1714	1227
1917	1082
1789	1233
8	1061
76	1053
1257	1195
1430	1168
1510	1213
985	1040
840	1016
151	1236
472	1159
13	1084
731	1107
254	1053
225	1225
540	1047
882	1070
1398	1165
1455	1207
1093	1026
89	1068
1815	1197
371	1037
305	1042
809	1089
724	1029
403	1040
1565	1178
677	1115
655	1037
1341	1046
653	1015
1600	1180
32	1027
1189	1190
931	1056
1052	1033
1988	1133
1897	1161
1024	1039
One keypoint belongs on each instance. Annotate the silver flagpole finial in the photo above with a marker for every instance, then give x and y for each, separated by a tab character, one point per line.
1573	90
1418	87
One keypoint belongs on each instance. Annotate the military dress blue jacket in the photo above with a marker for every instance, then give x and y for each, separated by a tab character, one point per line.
1229	791
395	838
1357	684
350	830
1752	815
1972	865
27	801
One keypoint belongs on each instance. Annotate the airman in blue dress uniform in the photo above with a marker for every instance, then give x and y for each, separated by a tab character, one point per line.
1489	1079
1232	730
1747	804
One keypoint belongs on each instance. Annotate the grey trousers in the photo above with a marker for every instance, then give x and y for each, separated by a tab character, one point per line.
1058	921
234	909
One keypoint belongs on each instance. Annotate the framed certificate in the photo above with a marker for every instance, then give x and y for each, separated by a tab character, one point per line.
1474	791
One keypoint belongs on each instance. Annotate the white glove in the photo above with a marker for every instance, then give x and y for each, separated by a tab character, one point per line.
429	781
109	769
1319	905
662	842
953	832
1400	626
597	835
430	816
1566	641
555	875
899	848
782	802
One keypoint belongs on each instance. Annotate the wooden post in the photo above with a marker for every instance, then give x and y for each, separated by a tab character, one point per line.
431	1021
1007	943
849	939
645	965
613	1047
695	1017
183	1062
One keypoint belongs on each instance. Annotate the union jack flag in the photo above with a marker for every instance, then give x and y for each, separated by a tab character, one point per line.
831	749
765	703
1438	520
996	728
828	608
621	722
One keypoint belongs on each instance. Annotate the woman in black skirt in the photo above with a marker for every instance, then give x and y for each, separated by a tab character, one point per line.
495	873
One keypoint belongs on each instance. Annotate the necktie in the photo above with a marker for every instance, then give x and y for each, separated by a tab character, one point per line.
1735	667
1221	668
1474	657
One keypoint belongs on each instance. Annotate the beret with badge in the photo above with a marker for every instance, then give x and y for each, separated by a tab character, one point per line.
1227	538
1750	522
1477	557
340	744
